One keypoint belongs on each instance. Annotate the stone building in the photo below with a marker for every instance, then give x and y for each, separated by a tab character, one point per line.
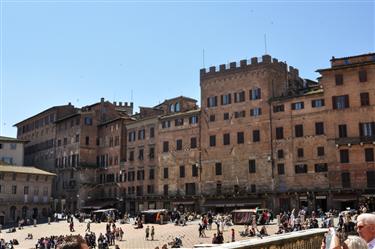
12	151
25	193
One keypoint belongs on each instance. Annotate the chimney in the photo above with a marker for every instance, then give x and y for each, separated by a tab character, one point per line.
114	103
102	100
120	103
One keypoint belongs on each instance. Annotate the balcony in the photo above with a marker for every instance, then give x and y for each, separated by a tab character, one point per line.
355	140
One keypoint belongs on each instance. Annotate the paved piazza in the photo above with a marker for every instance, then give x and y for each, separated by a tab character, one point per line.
133	238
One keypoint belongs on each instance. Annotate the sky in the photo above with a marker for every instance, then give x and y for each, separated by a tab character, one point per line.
55	52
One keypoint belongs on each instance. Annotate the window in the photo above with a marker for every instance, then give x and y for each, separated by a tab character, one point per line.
151	174
26	190
141	134
253	188
319	128
321	167
252	166
320	151
212	101
280	169
255	94
218	169
367	129
131	155
317	103
256	135
190	188
240	138
178	144
193	120
339	79
165	189
300	152
14	176
171	108
179	122
342	131
66	141
88	121
151	153
1	146
165	146
340	102
226	99
300	168
87	140
240	114
278	108
193	142
131	136
212	118
226	139
218	188
371	179
177	107
140	175
165	124
239	97
150	189
298	106
362	76
182	171
140	154
226	116
280	154
14	189
77	138
166	173
152	132
369	154
365	99
13	146
345	180
344	156
212	140
279	132
255	112
194	170
298	130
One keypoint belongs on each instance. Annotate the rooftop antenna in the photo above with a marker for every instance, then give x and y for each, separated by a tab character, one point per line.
203	59
265	44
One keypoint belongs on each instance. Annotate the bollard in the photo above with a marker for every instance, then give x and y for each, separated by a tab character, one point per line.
49	220
34	222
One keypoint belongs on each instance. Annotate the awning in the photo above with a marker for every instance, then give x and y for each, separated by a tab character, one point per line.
344	197
231	203
94	205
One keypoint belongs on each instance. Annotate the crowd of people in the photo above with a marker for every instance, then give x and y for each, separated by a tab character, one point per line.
349	223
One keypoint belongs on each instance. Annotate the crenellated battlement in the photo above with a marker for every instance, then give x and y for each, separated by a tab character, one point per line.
247	64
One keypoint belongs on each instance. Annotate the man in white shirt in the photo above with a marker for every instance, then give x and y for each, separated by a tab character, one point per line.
366	228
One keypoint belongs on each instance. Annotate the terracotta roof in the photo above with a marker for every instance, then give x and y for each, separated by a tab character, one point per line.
12	140
24	170
354	56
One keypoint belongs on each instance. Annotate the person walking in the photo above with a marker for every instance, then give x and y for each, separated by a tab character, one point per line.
152	232
88	227
147	232
233	235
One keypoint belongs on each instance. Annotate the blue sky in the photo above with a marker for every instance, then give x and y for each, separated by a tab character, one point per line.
55	52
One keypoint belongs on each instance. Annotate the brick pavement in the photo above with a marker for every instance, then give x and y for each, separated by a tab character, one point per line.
133	238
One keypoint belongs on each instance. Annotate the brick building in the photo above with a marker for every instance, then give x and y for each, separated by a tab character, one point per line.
263	136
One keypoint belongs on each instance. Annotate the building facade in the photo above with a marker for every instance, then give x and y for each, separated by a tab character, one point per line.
263	136
12	151
25	193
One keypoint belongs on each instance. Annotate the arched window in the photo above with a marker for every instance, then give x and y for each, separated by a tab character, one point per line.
13	213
